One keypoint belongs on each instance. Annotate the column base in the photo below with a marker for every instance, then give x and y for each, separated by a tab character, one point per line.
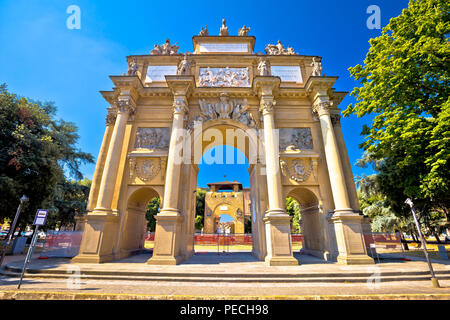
98	237
280	261
167	238
349	260
169	260
278	239
88	258
350	237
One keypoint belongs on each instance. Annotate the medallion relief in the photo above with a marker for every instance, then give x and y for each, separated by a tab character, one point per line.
144	168
298	170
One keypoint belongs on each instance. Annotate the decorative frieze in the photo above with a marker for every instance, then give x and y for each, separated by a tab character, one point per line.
224	77
225	108
152	138
295	139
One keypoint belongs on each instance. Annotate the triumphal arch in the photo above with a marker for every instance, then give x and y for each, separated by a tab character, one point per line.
274	106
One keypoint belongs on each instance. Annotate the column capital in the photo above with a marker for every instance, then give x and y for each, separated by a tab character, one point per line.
266	104
321	106
125	104
180	104
335	119
111	115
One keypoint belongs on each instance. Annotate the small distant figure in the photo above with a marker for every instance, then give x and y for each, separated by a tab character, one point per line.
243	32
133	67
184	67
223	29
263	67
204	32
317	68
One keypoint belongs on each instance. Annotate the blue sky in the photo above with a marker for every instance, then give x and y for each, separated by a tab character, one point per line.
42	59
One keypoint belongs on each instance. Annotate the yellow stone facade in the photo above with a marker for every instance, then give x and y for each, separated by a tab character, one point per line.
229	202
162	118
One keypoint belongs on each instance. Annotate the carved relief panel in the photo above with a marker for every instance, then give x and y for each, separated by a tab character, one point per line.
152	138
224	77
295	139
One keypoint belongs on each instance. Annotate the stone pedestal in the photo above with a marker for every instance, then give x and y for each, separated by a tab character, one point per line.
350	238
98	239
168	230
278	239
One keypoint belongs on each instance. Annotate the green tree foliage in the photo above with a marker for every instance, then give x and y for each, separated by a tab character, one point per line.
405	85
200	208
379	199
154	206
35	152
69	200
152	210
293	209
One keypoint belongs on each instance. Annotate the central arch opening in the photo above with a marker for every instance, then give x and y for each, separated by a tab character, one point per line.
224	214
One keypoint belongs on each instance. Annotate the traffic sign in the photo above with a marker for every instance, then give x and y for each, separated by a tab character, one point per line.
41	217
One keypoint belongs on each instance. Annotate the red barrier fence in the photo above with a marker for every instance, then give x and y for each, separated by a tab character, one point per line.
232	238
62	243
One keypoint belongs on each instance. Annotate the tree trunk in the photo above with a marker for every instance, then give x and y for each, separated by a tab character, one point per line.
437	237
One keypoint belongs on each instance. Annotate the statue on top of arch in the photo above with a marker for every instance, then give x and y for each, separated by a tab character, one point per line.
165	49
278	49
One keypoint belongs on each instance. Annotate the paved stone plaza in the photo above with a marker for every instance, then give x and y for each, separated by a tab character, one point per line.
234	276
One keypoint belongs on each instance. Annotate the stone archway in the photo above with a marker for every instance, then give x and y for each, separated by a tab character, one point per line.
150	141
135	223
313	222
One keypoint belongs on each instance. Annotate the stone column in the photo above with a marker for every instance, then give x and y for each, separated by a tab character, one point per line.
347	222
108	183
93	193
102	223
346	166
277	221
168	220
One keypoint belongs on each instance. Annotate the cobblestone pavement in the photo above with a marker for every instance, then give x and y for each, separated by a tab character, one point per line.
232	263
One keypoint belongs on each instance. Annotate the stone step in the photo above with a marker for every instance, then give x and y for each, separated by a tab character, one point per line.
237	278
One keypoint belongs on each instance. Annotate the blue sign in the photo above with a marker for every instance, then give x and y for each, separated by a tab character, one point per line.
40	218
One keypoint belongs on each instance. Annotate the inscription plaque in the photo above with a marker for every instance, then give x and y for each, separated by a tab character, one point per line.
224	47
287	73
157	73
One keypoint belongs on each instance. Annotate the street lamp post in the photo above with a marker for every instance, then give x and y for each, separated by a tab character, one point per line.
434	281
13	227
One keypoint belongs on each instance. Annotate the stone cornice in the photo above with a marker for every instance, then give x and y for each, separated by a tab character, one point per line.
266	85
319	85
181	85
127	81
